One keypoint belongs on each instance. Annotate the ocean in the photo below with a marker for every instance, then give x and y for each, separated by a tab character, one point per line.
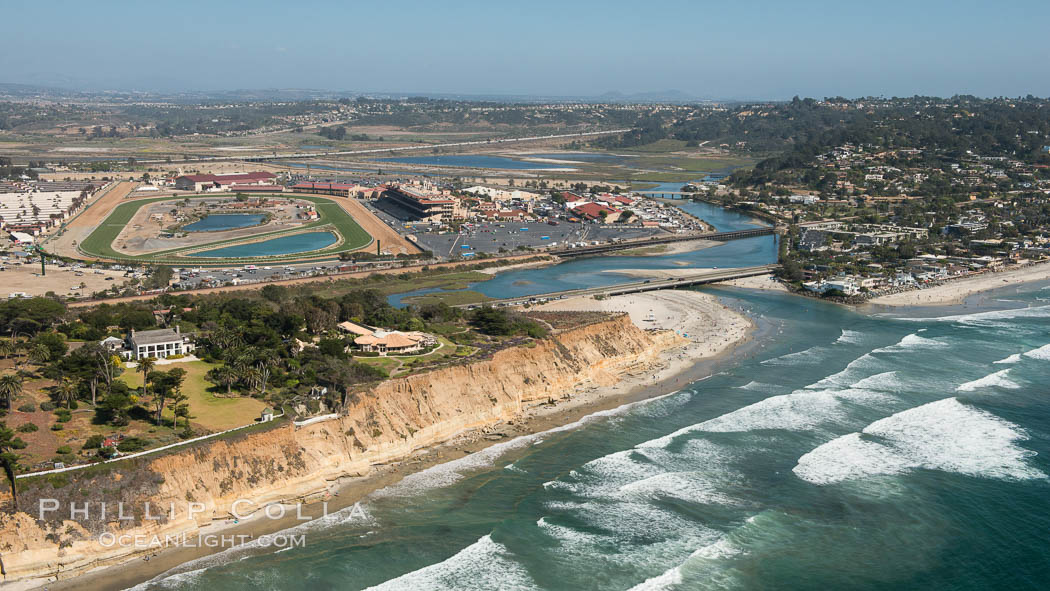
838	450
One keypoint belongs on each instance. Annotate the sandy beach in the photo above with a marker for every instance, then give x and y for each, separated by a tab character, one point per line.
708	330
528	265
709	326
767	282
955	291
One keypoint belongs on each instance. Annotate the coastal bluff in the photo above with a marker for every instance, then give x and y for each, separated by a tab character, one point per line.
290	464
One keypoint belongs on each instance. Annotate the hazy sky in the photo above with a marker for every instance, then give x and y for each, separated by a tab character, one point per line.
724	49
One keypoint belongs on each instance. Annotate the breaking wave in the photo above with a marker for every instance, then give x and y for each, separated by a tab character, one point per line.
946	435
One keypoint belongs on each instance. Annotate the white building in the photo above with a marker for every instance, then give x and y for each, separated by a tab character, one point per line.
160	343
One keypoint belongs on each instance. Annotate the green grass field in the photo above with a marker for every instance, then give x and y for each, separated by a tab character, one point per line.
332	217
209	411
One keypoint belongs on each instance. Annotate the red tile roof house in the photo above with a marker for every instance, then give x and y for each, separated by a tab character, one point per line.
593	211
202	182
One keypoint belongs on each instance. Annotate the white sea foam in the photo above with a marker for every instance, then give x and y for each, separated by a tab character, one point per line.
996	380
849	337
809	356
989	317
758	387
1042	353
687	486
451	472
1011	359
672	577
485	564
912	341
945	435
803	409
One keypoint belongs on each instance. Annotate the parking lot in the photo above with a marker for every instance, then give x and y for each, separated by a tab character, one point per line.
509	236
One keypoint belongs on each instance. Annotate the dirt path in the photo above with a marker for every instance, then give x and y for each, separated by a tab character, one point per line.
390	240
81	226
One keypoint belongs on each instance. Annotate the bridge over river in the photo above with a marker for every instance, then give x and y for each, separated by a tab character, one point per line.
569	252
687	279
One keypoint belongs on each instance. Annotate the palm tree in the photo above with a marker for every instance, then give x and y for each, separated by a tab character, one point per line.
39	354
67	391
146	365
227	377
253	377
7	348
10	388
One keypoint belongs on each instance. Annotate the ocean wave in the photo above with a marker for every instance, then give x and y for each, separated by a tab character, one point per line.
946	435
485	564
912	341
448	473
802	409
1042	353
1011	359
989	316
809	356
996	380
849	337
758	387
723	548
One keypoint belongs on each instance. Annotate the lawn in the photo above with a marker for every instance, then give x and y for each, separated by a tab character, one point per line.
206	409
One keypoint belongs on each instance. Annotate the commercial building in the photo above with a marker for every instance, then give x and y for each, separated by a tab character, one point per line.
411	204
223	182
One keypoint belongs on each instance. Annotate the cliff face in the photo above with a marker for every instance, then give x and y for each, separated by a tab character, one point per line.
289	463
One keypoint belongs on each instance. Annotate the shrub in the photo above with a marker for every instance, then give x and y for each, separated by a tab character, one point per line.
28	407
64	450
46	406
28	428
94	442
63	415
131	444
57	427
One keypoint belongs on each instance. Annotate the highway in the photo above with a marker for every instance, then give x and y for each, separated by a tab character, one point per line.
713	276
286	156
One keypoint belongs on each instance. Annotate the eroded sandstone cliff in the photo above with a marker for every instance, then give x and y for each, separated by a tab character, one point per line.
289	463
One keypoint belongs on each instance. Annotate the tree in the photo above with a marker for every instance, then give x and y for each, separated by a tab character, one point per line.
8	459
39	353
66	391
224	376
10	388
146	365
172	389
113	408
7	348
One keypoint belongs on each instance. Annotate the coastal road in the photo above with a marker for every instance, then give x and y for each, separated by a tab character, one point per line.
689	278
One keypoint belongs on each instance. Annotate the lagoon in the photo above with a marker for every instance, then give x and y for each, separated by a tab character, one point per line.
225	221
474	161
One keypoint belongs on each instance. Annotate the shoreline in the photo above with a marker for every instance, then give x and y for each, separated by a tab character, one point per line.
954	291
688	362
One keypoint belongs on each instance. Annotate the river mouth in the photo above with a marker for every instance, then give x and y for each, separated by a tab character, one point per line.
306	242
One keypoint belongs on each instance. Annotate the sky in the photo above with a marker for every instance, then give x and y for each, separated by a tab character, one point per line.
744	49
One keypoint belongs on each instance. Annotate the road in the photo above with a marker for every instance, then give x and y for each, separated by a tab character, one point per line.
714	276
397	149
